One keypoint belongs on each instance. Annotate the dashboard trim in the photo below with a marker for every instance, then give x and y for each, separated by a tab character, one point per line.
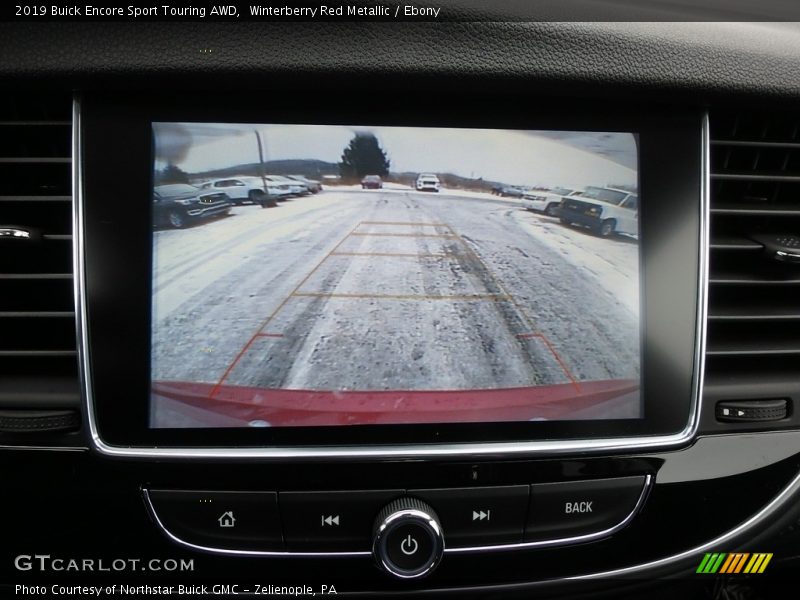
397	451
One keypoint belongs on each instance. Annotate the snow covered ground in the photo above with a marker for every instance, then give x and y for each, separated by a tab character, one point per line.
393	290
612	262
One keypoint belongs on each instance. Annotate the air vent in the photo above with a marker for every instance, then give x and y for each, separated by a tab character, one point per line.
754	300
38	358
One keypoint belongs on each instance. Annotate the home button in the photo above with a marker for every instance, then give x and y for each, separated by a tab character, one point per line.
219	520
408	539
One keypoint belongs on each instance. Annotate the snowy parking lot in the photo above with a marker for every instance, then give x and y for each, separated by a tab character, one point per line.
393	290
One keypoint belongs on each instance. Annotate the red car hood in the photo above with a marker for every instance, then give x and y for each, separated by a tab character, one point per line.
233	406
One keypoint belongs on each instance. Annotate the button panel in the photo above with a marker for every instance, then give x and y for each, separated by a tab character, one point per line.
576	508
342	521
479	516
228	520
331	521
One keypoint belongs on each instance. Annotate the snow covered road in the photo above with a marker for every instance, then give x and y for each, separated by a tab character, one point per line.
393	290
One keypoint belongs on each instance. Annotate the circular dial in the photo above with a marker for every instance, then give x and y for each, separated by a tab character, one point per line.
408	538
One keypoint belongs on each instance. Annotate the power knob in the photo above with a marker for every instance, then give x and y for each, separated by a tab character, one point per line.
408	539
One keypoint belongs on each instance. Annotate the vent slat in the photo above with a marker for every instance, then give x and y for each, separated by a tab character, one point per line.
36	314
35	123
776	177
754	350
36	295
756	144
35	198
763	212
775	315
749	279
34	159
733	243
43	142
35	179
25	333
38	353
49	256
35	275
51	218
42	365
754	300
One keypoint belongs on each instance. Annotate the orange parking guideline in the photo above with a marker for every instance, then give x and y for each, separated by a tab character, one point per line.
521	311
554	352
505	296
266	321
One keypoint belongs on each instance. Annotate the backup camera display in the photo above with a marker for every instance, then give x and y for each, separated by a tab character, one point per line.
326	275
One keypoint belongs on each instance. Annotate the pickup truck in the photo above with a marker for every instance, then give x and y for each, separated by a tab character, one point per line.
604	210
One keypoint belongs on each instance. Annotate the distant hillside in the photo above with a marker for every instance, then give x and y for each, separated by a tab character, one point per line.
307	167
317	169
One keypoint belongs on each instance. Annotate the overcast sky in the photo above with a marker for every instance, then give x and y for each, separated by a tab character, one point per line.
511	156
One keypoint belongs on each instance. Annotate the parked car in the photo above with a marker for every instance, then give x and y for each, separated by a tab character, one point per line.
603	210
371	182
245	189
512	191
290	186
428	182
313	185
546	201
176	205
281	189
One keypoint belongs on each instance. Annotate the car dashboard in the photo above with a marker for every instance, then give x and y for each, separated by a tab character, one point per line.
97	493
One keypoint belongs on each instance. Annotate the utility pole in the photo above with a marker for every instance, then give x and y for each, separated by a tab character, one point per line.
269	201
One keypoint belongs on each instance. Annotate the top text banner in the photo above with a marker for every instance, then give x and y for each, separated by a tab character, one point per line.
401	11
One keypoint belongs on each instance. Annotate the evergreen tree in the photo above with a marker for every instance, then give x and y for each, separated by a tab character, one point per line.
363	156
172	174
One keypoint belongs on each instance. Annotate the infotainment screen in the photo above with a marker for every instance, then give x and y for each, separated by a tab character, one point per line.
326	275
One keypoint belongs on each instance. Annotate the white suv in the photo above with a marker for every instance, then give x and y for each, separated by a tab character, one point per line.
428	182
603	210
546	201
242	189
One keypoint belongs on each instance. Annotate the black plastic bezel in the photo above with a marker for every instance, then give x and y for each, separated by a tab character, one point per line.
116	169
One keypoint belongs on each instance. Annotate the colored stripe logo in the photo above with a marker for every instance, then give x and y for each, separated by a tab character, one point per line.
734	563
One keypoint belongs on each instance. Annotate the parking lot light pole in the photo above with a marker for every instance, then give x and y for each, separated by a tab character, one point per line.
270	202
